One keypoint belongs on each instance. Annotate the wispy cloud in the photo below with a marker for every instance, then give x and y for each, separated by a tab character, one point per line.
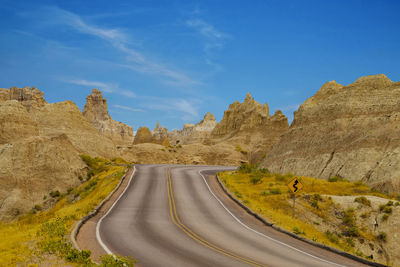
128	108
206	29
135	60
106	87
188	108
213	38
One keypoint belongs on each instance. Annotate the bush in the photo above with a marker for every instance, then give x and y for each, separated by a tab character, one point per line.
275	191
363	200
352	231
385	217
350	242
382	236
296	230
55	194
332	237
37	207
336	178
387	210
255	178
117	261
348	218
247	168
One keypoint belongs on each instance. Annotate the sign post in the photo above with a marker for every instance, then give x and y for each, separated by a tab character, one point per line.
295	186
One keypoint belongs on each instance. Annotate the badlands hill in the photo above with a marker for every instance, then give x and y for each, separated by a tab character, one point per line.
246	133
96	112
194	133
40	144
348	131
250	128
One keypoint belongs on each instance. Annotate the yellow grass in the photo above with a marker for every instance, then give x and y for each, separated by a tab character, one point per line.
268	195
18	242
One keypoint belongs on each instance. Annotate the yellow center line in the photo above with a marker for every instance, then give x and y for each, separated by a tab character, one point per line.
194	236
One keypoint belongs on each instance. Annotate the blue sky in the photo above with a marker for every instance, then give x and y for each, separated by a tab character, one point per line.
173	61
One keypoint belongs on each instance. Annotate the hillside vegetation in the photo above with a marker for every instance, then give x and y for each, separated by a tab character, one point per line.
41	237
334	212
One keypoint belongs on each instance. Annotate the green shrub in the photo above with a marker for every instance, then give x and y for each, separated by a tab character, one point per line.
382	236
348	218
350	242
387	210
363	200
336	178
332	237
352	231
385	217
37	207
255	178
55	194
296	230
247	168
390	203
275	191
116	261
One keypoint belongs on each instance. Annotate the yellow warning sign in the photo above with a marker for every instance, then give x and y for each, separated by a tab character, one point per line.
295	185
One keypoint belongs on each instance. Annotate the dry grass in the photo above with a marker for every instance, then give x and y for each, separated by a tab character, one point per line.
268	195
22	240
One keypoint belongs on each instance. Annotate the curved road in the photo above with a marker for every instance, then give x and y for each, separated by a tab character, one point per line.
170	216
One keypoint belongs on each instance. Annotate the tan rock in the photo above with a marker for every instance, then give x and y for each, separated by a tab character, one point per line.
250	128
31	168
66	118
143	135
15	123
160	135
350	131
194	133
150	153
31	98
96	112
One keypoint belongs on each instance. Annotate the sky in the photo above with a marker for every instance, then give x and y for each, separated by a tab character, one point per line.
173	61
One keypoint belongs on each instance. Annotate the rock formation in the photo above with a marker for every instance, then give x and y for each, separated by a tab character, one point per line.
96	112
31	98
66	118
349	131
40	145
250	128
159	135
31	165
194	133
143	135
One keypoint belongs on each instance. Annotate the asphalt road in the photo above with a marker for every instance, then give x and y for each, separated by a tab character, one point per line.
168	216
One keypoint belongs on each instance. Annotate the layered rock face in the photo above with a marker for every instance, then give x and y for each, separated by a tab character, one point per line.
96	112
66	118
159	135
249	126
350	131
40	145
31	165
143	135
31	98
194	133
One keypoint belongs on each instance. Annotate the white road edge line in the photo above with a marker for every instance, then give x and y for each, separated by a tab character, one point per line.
261	234
98	237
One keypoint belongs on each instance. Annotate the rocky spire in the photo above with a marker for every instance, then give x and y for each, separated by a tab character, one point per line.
248	97
96	112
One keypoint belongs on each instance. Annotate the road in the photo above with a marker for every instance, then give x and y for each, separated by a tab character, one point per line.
172	216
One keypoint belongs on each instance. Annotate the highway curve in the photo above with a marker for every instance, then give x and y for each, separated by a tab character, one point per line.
169	216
